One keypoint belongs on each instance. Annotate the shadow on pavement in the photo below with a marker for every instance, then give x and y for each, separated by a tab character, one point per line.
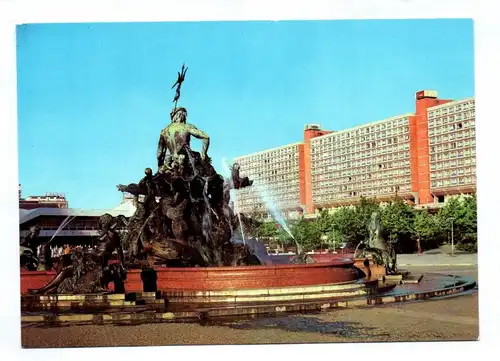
306	324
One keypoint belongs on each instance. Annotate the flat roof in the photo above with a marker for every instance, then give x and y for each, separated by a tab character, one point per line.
125	209
453	102
337	132
269	150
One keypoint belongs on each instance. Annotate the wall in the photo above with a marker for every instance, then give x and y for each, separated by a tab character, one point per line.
307	190
419	149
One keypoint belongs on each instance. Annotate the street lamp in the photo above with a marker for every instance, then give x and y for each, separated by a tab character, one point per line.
452	242
324	238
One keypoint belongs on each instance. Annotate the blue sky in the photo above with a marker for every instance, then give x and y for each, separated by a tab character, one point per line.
93	98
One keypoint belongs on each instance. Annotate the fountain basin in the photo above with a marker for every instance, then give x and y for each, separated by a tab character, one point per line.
155	307
338	271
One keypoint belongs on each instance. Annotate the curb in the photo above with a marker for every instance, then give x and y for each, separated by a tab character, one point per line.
438	265
121	318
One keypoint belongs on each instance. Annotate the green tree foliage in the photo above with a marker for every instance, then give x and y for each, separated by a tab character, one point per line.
307	234
462	212
398	222
346	226
427	229
363	214
401	222
267	230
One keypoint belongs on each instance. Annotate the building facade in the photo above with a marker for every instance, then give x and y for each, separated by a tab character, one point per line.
452	141
276	174
372	160
422	157
49	200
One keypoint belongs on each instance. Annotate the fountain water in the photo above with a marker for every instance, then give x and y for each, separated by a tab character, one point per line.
64	223
227	173
271	206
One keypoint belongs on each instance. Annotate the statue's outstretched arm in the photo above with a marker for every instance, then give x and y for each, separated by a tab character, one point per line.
162	148
197	133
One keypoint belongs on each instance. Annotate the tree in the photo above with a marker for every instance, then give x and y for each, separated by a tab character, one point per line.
324	222
325	226
426	228
462	212
469	220
307	234
345	226
397	221
363	214
267	230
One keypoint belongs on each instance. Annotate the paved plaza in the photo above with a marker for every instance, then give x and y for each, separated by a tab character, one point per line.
441	256
453	318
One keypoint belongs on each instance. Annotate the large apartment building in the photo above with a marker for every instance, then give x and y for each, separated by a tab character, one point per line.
370	160
422	157
276	174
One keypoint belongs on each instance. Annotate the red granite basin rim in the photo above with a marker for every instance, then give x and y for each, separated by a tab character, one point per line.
249	277
337	262
341	270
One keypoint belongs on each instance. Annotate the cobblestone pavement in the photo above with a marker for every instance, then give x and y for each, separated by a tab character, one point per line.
427	259
447	319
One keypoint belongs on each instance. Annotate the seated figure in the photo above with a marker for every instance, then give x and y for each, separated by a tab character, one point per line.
237	181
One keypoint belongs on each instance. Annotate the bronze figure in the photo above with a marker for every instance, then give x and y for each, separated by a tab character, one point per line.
182	216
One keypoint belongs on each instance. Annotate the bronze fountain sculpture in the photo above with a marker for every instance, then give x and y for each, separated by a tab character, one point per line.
182	216
383	252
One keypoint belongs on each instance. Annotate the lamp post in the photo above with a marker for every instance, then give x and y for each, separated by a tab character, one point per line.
324	238
452	241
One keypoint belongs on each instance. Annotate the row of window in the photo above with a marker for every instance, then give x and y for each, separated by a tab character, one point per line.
447	136
371	168
330	186
453	128
279	203
270	165
441	153
280	174
372	192
329	141
363	158
348	176
458	117
453	163
367	129
279	159
270	192
272	199
281	198
465	180
262	172
272	154
452	108
453	173
282	187
370	148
